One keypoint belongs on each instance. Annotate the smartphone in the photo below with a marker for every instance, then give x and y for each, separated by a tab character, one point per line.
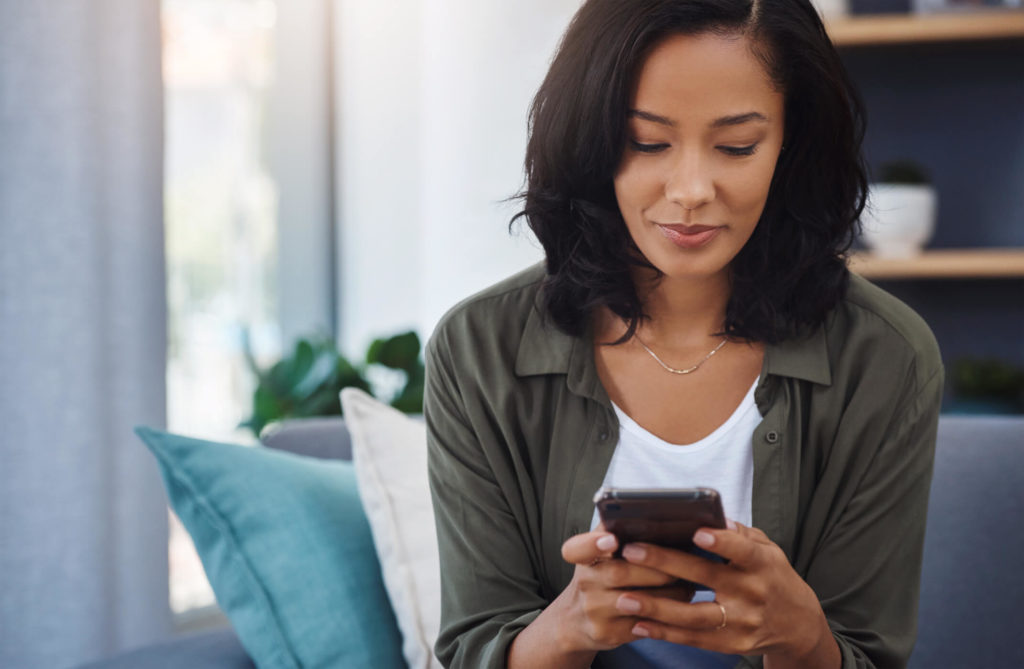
661	516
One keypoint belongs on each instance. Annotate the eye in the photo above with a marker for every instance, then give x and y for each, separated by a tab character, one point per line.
647	148
739	150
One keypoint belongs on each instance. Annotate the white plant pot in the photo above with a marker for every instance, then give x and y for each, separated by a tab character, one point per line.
832	9
899	219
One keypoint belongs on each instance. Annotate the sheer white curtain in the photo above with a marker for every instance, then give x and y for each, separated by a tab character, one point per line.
83	528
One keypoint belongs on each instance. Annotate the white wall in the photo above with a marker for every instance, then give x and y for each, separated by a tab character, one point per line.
432	102
300	159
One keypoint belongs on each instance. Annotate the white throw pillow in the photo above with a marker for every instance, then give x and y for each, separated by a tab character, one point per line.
389	451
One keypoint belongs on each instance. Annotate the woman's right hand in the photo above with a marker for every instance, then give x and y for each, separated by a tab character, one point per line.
583	619
592	621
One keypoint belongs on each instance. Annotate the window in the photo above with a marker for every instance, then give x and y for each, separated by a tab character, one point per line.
221	229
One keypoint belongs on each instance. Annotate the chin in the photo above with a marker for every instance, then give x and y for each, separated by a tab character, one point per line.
696	268
703	263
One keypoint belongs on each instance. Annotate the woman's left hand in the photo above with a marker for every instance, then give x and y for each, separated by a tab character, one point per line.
761	607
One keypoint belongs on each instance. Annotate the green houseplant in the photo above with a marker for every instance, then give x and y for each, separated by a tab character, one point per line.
986	385
907	172
307	381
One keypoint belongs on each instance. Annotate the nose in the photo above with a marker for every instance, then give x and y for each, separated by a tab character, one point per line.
690	183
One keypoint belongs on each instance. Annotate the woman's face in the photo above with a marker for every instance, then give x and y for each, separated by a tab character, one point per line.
704	133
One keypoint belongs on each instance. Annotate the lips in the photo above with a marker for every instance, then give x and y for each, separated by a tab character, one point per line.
689	236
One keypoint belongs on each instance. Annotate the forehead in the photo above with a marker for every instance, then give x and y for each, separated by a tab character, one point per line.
703	77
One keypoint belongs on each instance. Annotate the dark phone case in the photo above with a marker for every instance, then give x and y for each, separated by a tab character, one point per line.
665	517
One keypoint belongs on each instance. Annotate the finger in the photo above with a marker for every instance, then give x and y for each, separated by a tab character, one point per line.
602	622
697	617
718	640
618	574
742	547
589	547
676	563
752	532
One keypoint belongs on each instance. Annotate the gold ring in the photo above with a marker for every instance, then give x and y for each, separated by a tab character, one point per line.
725	618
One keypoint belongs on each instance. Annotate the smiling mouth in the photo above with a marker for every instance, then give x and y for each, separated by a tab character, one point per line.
689	236
688	229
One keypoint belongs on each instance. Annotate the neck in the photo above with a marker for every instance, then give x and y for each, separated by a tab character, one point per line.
683	311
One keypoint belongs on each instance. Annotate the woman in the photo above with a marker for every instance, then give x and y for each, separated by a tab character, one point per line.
694	176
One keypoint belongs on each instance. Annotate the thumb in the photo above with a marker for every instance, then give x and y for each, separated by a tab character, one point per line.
589	547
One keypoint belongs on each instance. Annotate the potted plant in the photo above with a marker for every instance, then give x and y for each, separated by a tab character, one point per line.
900	215
986	385
307	381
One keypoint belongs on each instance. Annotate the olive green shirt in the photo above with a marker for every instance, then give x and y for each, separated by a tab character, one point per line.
521	432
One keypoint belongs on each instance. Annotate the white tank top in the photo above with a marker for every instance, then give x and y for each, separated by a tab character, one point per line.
723	460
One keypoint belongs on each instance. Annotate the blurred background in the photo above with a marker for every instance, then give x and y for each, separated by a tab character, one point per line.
188	188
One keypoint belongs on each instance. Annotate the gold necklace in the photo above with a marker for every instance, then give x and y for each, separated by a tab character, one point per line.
688	370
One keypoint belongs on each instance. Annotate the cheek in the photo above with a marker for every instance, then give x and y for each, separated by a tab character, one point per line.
750	190
634	188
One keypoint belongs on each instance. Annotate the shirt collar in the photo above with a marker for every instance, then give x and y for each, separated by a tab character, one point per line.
544	349
802	358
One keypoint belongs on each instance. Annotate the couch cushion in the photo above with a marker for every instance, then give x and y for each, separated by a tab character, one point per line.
389	450
287	548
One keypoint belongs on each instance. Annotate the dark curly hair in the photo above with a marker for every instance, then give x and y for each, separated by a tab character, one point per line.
792	271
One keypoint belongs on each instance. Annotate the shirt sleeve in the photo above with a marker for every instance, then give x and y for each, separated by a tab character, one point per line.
867	573
490	590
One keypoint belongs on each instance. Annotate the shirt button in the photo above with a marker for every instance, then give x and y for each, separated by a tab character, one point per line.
603	436
772	436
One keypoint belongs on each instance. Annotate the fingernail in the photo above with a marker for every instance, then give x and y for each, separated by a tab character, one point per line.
703	539
731	525
640	631
627	604
634	552
607	542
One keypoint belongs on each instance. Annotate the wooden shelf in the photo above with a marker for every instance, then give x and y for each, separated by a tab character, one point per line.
915	28
943	264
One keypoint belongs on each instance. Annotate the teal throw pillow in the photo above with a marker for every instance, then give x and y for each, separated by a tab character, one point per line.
288	551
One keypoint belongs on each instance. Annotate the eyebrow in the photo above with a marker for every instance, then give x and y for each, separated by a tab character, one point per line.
653	118
737	119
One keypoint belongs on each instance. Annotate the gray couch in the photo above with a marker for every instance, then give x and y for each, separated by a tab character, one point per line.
972	590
